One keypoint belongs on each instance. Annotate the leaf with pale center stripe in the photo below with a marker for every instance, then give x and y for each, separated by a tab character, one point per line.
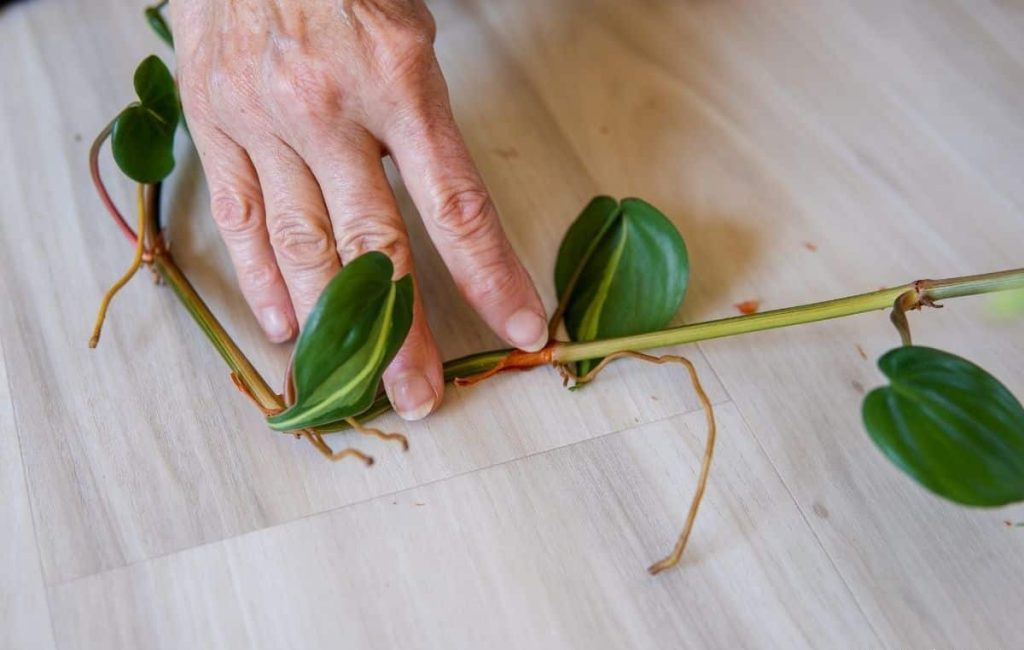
622	269
354	331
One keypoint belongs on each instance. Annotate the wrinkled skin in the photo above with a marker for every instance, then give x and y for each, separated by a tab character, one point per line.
292	104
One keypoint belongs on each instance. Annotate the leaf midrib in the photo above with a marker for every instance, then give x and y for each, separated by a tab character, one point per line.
377	353
592	316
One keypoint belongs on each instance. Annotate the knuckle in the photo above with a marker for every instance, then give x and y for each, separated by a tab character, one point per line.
407	56
301	243
235	214
258	277
493	281
465	214
368	234
402	39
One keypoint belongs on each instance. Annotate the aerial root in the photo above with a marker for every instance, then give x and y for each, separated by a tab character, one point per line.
317	440
140	249
377	433
673	558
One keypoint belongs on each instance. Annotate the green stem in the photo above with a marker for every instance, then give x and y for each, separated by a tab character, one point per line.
247	373
865	302
215	332
559	351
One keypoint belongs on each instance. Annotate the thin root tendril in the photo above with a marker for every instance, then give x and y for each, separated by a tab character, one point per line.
317	440
377	433
140	247
673	558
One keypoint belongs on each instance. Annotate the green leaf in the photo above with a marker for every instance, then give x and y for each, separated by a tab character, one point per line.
622	269
159	25
354	331
143	137
950	425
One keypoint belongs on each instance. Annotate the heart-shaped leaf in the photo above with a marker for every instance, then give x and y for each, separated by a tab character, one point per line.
622	269
950	425
354	331
143	137
156	20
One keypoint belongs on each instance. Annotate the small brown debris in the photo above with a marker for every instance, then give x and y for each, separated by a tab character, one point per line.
820	510
604	130
748	307
419	503
861	352
811	246
857	386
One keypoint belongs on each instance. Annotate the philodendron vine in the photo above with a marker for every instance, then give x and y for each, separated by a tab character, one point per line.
621	275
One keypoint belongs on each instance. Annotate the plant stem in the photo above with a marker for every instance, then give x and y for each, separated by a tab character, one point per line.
101	189
563	352
865	302
215	332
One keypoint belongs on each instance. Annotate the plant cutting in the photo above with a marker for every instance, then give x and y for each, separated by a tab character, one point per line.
620	276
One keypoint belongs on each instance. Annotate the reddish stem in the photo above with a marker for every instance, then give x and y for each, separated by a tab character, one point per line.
514	360
94	169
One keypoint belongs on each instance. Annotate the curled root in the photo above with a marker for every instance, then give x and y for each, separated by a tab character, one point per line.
377	433
673	558
316	438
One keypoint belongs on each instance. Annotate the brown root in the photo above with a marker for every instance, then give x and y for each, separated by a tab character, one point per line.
913	299
377	433
317	440
673	558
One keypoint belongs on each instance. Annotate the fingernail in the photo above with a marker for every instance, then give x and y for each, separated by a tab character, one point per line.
527	330
413	397
275	324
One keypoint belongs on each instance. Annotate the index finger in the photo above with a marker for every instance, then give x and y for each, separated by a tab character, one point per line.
462	221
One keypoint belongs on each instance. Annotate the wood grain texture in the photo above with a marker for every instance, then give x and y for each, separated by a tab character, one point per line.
24	611
150	449
903	183
546	551
805	150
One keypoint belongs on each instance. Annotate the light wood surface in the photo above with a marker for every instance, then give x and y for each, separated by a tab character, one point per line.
144	504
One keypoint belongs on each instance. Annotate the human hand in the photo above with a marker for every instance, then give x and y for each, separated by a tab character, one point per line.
291	105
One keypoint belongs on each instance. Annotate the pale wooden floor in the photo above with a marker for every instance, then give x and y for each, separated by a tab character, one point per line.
144	504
